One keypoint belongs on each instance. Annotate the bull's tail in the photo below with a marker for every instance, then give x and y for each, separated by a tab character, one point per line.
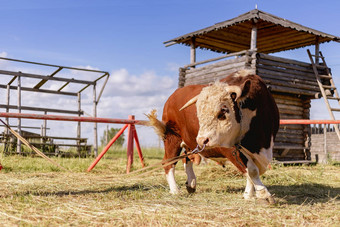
159	126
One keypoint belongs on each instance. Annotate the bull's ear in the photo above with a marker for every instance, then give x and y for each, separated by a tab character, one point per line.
237	92
245	87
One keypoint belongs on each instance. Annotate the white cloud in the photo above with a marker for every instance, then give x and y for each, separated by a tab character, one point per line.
3	54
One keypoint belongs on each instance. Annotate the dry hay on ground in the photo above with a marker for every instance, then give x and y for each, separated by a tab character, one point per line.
42	196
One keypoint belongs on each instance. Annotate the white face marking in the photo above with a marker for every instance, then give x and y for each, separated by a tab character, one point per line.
216	117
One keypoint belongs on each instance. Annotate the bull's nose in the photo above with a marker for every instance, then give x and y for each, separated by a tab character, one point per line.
202	140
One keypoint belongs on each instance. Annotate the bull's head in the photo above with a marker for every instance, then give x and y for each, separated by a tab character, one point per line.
219	114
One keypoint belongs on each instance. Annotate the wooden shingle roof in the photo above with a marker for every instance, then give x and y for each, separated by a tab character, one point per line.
274	34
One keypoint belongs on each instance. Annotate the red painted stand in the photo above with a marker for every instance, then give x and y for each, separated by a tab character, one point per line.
131	138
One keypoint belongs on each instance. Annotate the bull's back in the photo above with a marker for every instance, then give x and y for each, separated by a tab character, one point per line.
185	122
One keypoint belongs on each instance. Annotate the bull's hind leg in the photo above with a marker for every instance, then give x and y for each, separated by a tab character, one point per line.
172	149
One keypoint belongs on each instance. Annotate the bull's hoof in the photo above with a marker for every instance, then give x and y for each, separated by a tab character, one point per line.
270	200
248	196
191	190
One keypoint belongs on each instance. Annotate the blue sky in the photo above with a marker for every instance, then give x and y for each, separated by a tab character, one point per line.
126	39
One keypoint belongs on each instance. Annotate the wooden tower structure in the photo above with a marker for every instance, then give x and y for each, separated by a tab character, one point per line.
247	41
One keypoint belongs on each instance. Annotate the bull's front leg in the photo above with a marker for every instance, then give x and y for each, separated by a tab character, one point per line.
249	192
172	149
191	180
254	177
170	177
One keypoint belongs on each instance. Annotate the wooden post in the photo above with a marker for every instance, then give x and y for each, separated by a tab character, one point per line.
130	138
45	125
139	150
317	50
7	109
253	40
107	134
95	140
19	111
181	77
325	143
79	123
193	51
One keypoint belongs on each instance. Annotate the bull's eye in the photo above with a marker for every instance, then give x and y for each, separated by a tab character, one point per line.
223	111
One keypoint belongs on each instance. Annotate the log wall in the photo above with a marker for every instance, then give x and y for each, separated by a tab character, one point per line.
286	75
215	71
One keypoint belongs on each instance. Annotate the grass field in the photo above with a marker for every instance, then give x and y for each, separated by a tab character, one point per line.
35	193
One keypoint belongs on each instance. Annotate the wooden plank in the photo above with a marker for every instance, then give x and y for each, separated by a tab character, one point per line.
216	66
286	74
291	140
211	78
54	137
287	97
61	144
30	75
288	127
217	58
42	109
284	66
43	81
282	89
288	102
290	107
295	162
284	60
41	90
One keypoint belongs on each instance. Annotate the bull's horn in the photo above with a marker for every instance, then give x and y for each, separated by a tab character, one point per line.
189	103
234	89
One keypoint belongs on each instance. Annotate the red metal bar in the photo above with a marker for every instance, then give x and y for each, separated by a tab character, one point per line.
106	148
71	118
307	122
139	150
130	145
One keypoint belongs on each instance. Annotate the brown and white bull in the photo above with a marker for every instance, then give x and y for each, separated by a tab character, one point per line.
236	111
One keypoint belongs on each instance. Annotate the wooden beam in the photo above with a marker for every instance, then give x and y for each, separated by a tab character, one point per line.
317	50
29	75
62	87
43	81
19	107
41	109
253	41
57	66
193	51
40	90
95	140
